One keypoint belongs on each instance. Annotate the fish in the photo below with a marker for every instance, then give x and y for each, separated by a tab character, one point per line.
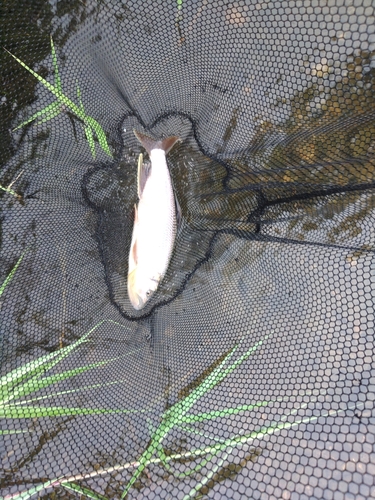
155	221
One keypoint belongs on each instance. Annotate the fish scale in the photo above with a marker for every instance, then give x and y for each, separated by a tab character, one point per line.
155	224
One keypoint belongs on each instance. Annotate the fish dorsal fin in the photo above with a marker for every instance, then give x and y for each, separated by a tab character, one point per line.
143	174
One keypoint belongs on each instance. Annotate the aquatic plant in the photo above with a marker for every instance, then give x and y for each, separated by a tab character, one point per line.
17	402
91	126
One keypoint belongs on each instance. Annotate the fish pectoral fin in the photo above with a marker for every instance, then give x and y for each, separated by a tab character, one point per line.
133	257
143	174
178	213
131	279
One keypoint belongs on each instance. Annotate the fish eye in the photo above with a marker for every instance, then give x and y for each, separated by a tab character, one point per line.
148	293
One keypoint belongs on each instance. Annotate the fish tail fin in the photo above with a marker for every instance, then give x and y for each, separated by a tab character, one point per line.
149	144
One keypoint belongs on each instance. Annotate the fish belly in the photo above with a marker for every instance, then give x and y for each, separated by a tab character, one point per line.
156	231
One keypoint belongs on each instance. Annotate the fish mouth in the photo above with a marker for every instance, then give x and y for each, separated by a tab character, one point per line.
140	304
136	301
137	297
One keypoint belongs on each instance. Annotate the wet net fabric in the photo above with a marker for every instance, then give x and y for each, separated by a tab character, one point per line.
250	373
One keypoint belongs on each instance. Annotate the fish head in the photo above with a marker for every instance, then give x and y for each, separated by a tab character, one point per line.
141	288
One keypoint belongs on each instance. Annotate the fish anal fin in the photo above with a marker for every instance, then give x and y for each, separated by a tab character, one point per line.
143	174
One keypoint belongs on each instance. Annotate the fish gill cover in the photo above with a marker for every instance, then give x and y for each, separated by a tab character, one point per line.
250	372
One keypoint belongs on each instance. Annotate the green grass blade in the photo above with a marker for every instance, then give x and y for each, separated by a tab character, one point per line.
51	111
163	429
91	123
25	495
174	415
204	417
77	110
208	456
213	470
24	431
20	373
100	134
55	91
51	115
248	438
8	190
231	443
79	98
55	67
176	412
143	461
9	278
90	140
159	450
36	384
83	491
12	381
48	116
9	381
42	364
80	389
18	412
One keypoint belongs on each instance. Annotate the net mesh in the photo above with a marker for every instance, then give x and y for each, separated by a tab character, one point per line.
250	373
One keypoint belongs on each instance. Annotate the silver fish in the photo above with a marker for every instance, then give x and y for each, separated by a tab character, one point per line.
155	222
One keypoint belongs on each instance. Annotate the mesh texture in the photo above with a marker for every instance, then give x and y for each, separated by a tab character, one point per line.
250	373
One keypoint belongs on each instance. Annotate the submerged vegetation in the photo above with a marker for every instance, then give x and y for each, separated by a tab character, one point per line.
23	381
18	387
92	128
